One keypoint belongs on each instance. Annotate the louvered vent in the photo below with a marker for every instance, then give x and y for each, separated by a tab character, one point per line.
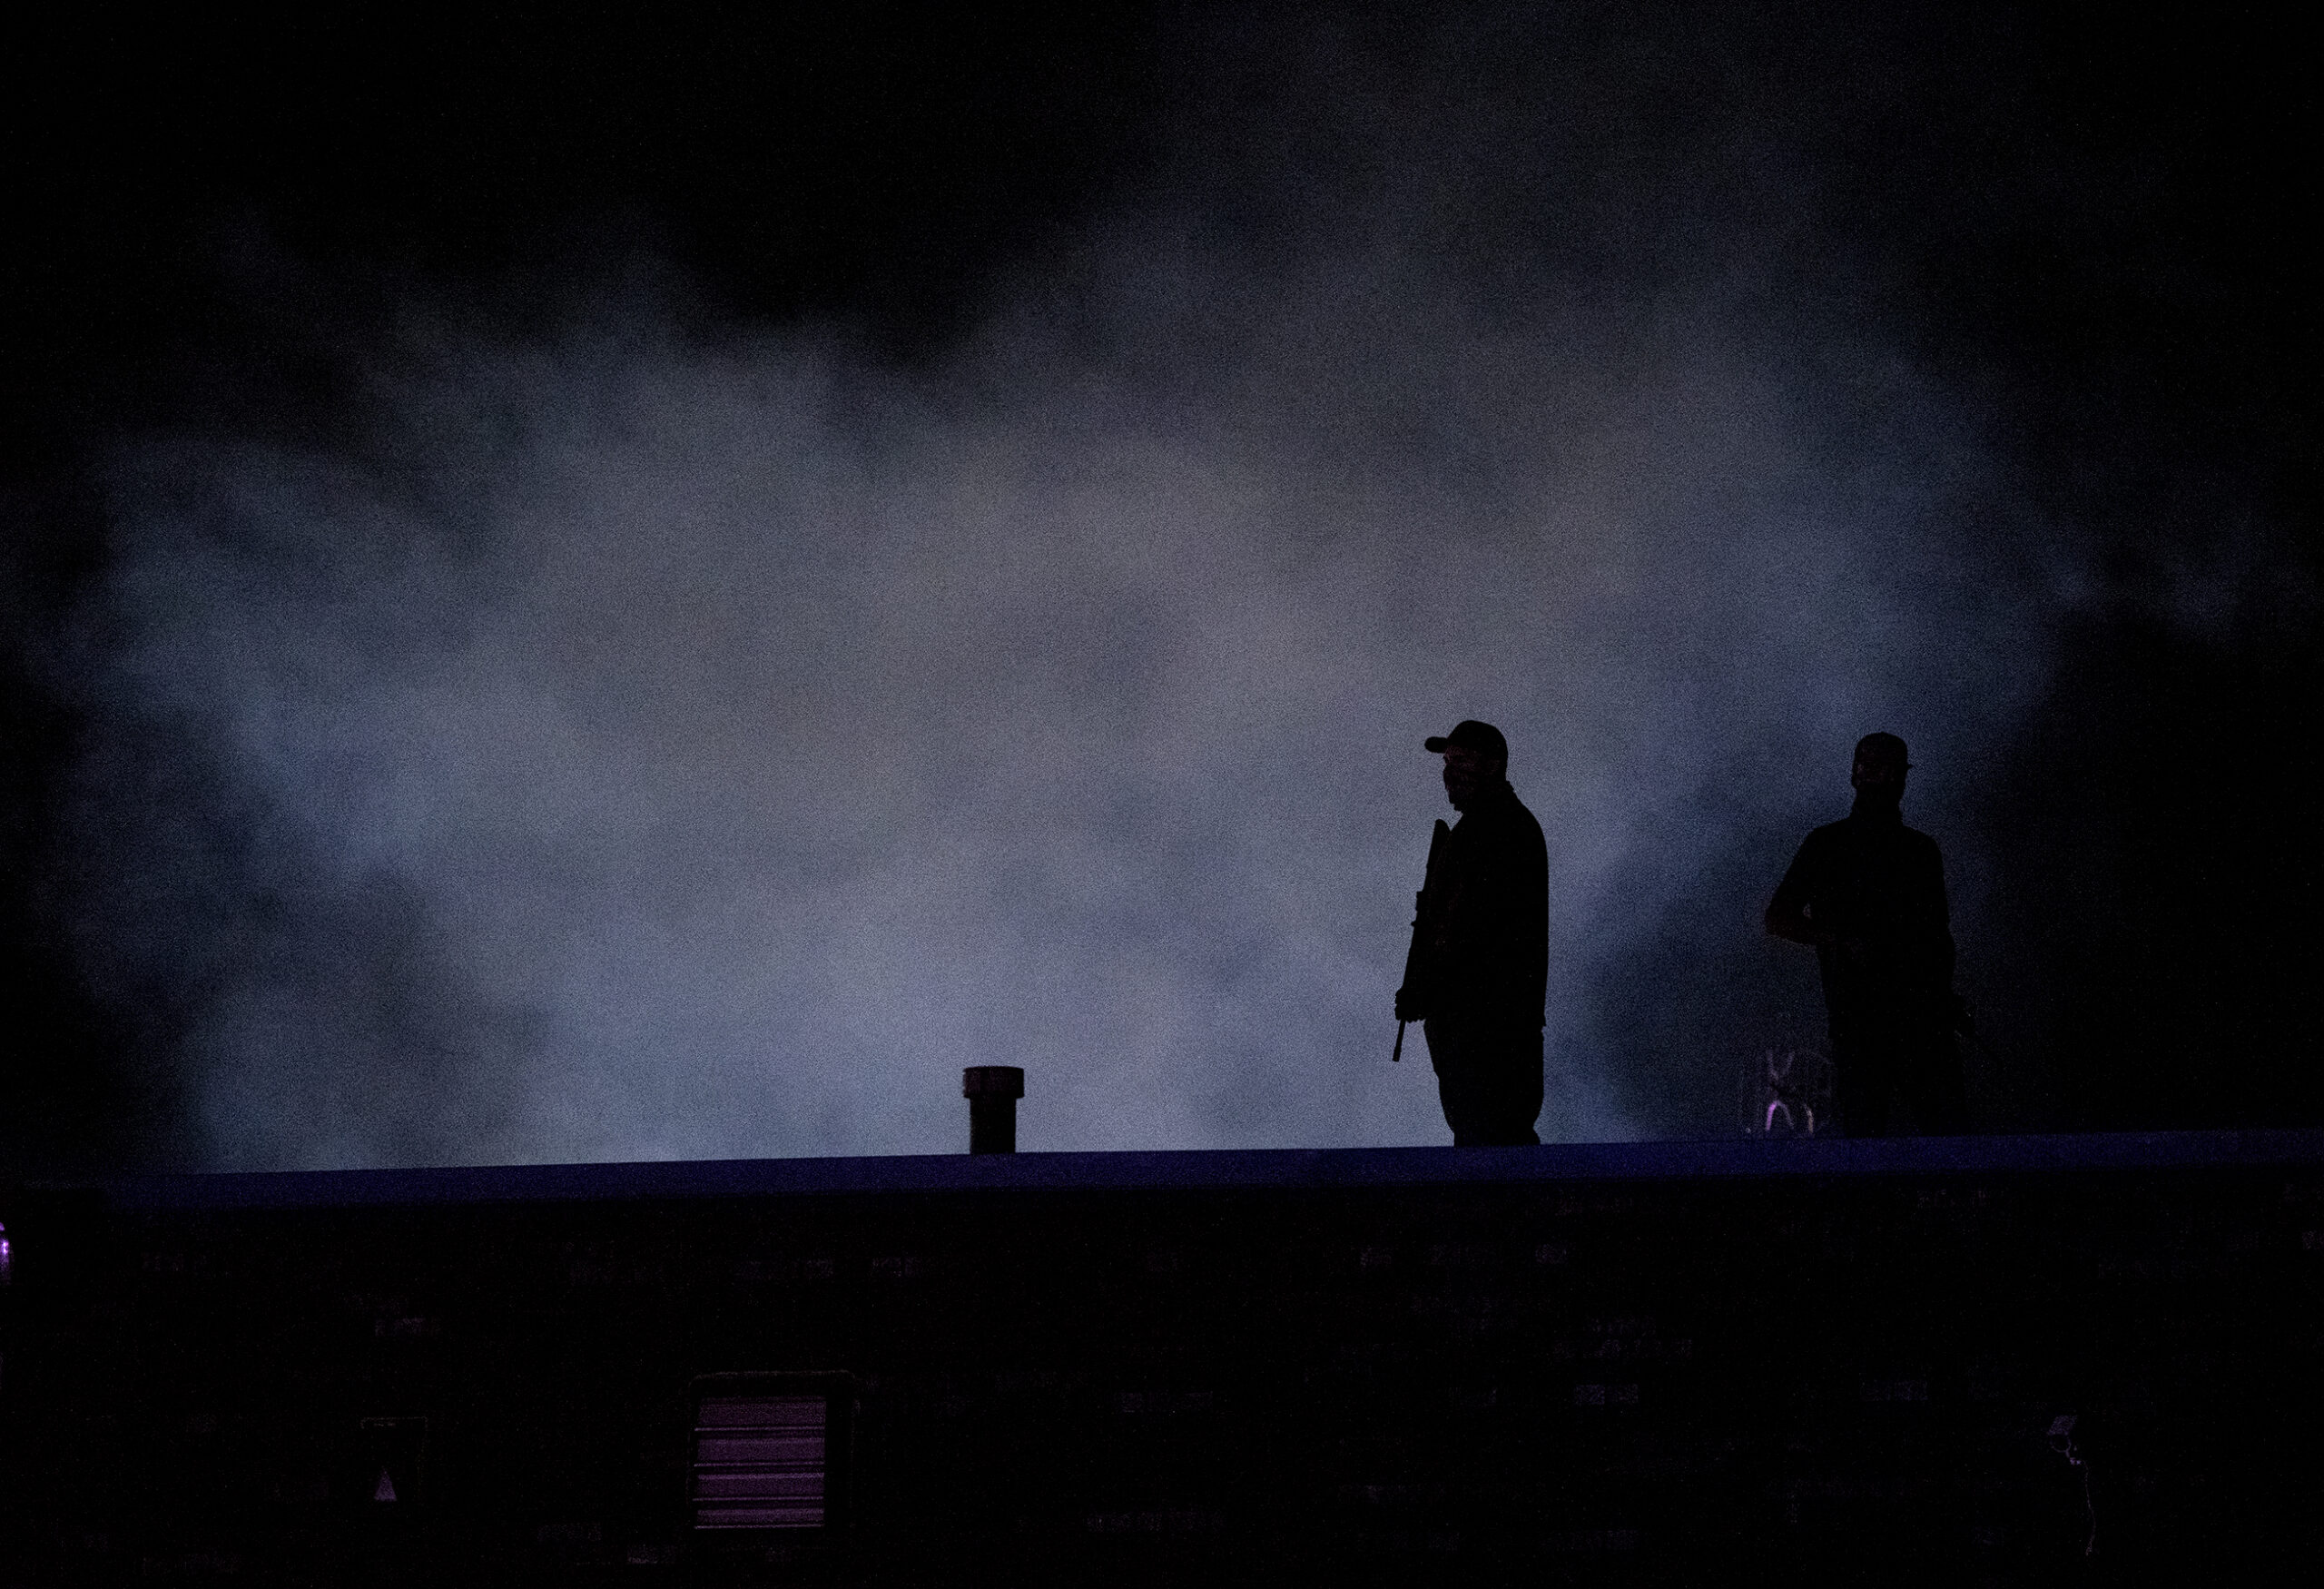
760	1462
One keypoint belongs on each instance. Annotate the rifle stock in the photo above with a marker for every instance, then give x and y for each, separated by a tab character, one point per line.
1413	957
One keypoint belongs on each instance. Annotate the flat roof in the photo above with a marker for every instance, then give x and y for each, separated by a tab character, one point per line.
1225	1170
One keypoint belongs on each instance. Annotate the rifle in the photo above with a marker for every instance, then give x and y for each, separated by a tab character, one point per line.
1420	916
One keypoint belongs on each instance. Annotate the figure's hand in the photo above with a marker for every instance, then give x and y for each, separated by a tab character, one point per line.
1795	925
1407	1006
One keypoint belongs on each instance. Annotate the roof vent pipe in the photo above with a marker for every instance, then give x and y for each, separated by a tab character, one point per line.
992	1091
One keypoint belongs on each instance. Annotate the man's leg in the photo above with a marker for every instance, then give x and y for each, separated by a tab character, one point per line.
1466	1109
1489	1081
1451	1053
1864	1079
1516	1092
1932	1085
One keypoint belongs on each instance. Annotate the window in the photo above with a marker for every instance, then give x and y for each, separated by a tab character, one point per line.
771	1451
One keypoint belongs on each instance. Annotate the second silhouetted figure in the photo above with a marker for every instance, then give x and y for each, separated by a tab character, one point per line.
1479	970
1868	893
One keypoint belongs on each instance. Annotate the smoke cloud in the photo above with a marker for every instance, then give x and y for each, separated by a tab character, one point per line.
652	736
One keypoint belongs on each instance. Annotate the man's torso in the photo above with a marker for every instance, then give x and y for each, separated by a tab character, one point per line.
1487	917
1877	887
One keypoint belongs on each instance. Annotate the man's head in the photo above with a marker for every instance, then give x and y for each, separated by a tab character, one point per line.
1476	759
1880	767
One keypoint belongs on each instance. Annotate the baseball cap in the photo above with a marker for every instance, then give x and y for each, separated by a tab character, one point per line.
1886	746
1483	738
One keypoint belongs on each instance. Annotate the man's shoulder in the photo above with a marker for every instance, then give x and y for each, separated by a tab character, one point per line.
1521	819
1822	849
1501	827
1824	838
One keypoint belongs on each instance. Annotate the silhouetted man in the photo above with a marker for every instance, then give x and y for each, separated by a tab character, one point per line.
1480	965
1868	894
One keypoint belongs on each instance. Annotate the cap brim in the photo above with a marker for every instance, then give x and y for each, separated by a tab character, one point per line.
1436	744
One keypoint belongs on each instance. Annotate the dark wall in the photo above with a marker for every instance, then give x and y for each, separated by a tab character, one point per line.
1598	1378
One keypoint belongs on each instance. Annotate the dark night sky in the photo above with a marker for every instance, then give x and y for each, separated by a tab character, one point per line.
2078	230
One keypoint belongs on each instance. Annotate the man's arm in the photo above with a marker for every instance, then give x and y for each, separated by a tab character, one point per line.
1791	913
1501	938
1413	998
1941	911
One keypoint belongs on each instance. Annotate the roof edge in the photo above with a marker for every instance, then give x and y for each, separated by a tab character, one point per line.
1187	1171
